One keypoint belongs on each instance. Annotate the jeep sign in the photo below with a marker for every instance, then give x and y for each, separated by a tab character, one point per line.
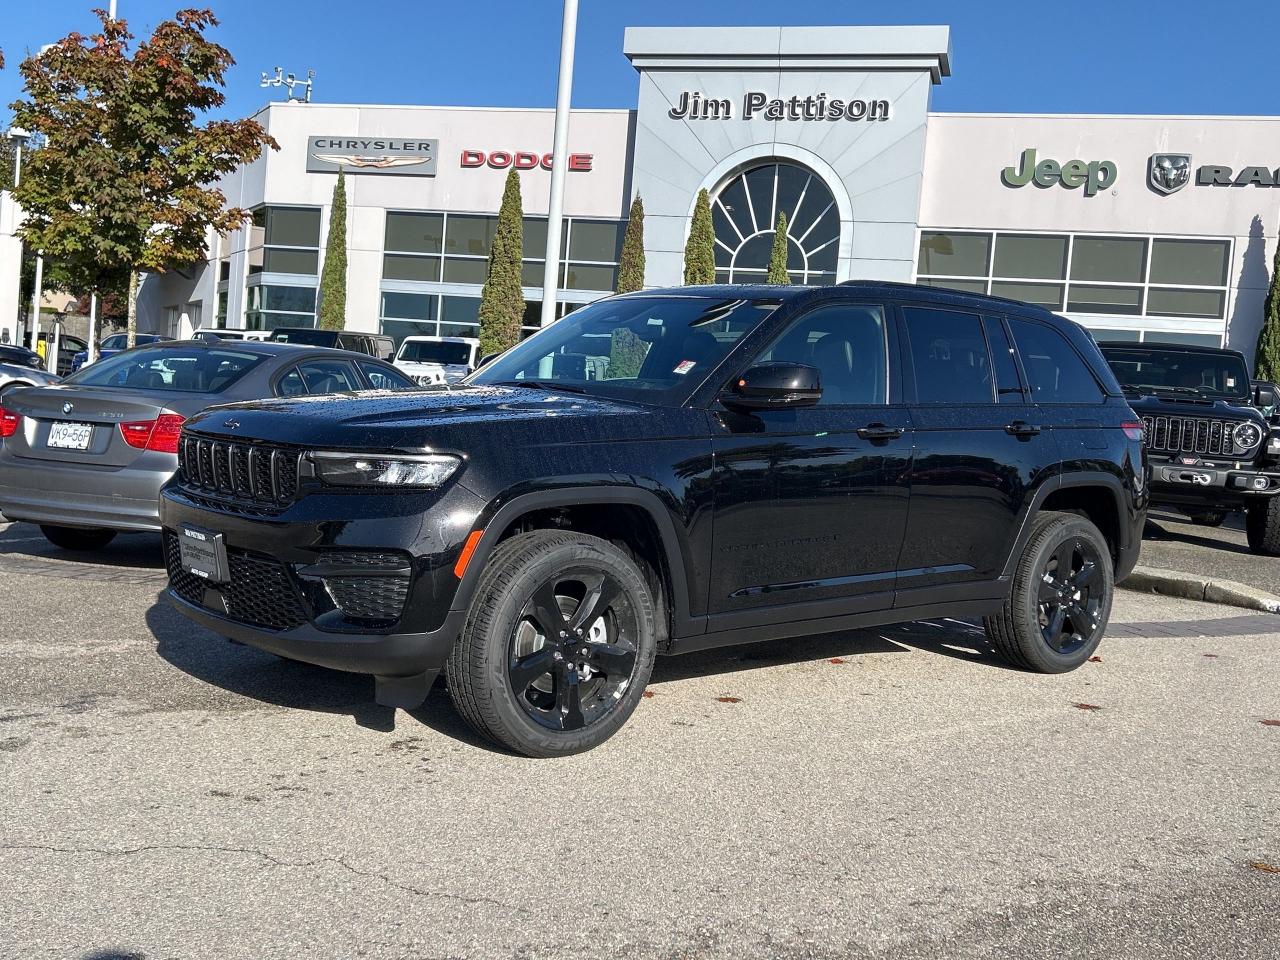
1093	175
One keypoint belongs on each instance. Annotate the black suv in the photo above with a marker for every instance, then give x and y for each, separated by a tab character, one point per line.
374	344
1211	449
665	472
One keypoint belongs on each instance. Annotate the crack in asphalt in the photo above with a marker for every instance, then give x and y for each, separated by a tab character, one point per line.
274	861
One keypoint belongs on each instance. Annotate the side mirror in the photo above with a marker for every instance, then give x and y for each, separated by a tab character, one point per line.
774	386
1265	394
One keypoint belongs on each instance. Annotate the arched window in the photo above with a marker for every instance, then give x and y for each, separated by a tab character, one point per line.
745	210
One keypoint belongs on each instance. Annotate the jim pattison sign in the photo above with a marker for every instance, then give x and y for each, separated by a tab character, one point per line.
694	105
404	157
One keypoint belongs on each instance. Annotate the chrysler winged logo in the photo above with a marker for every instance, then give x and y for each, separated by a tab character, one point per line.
68	407
231	424
379	163
1169	172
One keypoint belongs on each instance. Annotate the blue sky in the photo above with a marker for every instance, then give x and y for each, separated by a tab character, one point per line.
1119	56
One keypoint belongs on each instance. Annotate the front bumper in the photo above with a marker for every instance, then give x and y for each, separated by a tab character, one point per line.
81	495
1209	485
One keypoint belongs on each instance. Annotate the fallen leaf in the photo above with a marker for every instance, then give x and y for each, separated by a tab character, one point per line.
836	660
1264	866
729	699
1086	706
647	694
1095	659
1270	723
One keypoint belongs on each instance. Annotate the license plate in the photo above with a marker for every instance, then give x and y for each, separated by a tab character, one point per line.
203	554
70	436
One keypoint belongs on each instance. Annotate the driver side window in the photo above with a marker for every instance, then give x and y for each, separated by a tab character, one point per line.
846	342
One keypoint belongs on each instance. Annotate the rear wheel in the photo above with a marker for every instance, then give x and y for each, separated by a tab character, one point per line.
77	538
1208	518
1262	527
1060	600
558	646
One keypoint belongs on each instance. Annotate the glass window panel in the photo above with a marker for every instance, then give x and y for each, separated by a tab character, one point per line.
1008	382
949	355
1030	257
409	306
722	276
465	271
302	299
1198	262
399	329
1088	299
469	234
1056	372
1117	259
265	320
461	309
755	253
760	182
291	385
1041	294
955	254
415	232
224	271
1115	336
791	181
532	314
846	342
1169	302
580	277
821	279
535	237
724	233
292	227
305	262
967	286
823	241
328	376
595	240
459	330
815	203
733	199
260	217
1194	339
532	274
395	267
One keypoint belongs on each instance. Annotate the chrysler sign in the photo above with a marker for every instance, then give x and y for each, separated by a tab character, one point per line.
395	155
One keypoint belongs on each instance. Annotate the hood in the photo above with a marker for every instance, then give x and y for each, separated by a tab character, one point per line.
1191	405
438	418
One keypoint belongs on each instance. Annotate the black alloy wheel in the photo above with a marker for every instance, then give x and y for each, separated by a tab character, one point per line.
1068	605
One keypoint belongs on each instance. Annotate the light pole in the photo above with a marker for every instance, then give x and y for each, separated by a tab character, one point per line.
92	354
559	161
12	249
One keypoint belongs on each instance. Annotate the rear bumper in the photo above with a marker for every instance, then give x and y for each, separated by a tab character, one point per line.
74	495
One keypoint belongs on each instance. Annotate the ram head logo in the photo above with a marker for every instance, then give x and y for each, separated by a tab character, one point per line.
1169	172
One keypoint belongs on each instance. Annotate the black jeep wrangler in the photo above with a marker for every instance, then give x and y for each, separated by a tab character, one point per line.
1210	444
664	472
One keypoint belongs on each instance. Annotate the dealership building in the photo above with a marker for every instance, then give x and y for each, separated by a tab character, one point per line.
1135	226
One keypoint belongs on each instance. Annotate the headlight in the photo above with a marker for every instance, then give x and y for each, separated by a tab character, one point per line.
389	470
1247	435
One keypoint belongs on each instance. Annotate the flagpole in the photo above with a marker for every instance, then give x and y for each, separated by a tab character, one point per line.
559	163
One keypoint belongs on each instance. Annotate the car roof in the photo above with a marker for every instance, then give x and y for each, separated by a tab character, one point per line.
268	348
1164	345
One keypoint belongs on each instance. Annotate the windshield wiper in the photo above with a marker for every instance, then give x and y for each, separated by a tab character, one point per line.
540	385
1156	388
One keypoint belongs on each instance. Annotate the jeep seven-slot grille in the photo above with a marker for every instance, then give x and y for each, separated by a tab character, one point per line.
252	472
1190	435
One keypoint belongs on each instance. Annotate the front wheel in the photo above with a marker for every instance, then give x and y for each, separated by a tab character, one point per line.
558	645
1262	527
1060	600
77	538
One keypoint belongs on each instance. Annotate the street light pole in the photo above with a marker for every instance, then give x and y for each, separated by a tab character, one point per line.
559	162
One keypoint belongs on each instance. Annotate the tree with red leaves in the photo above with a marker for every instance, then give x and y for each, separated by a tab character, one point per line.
125	180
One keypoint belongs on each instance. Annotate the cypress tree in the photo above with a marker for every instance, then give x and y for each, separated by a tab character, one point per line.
1266	359
778	256
626	350
700	249
502	300
333	279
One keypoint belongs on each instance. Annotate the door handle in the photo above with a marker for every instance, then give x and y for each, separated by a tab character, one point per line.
1020	428
878	431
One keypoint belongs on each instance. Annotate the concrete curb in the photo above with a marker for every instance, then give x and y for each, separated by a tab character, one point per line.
1175	583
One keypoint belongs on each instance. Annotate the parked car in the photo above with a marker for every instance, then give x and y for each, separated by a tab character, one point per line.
432	360
779	461
114	344
221	333
13	376
20	356
86	458
375	345
68	347
1211	445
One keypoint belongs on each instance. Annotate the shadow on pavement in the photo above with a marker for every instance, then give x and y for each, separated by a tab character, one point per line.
134	550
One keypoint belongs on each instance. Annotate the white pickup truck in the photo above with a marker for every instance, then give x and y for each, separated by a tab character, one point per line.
437	359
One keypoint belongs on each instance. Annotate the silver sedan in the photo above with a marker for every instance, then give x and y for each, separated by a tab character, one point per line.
86	458
13	376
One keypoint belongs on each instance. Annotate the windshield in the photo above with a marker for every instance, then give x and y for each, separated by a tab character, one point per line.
1179	371
308	338
190	370
435	351
115	343
644	348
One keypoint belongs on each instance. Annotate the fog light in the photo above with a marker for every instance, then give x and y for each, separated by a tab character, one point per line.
1261	483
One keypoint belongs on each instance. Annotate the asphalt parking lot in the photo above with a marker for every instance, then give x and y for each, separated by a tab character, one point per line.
892	793
1172	542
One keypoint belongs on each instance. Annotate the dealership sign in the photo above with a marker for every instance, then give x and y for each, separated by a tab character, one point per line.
1170	172
523	160
695	105
404	157
1093	175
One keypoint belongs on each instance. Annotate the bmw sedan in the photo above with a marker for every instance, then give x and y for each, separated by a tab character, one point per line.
115	344
86	458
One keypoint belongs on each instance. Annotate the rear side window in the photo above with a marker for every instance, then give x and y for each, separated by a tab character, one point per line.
328	376
1054	370
949	355
386	378
1008	383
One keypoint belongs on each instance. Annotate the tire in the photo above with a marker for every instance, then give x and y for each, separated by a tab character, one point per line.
1021	632
1262	527
522	686
1210	518
77	538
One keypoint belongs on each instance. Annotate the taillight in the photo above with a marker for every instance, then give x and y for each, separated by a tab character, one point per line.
9	422
160	434
1132	430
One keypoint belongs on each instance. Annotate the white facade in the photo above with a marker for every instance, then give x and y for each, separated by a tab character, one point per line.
830	126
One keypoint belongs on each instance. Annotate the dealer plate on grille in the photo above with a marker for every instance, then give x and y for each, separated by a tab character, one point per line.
203	554
69	436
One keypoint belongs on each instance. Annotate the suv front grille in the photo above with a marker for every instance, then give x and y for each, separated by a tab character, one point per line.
1190	435
251	472
259	594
